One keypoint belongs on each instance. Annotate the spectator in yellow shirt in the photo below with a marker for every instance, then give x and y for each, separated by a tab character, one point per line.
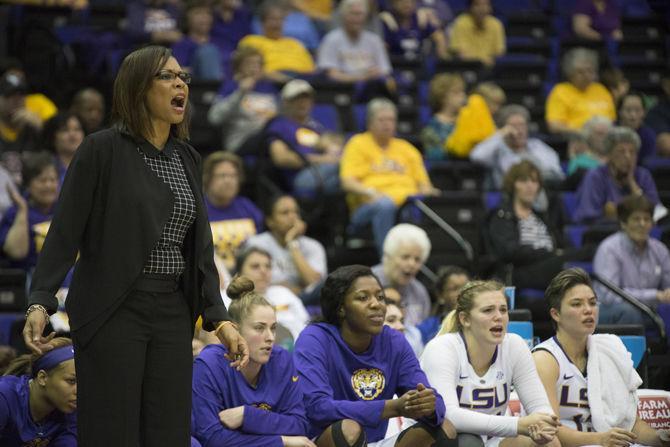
475	121
379	172
283	56
477	35
315	9
571	104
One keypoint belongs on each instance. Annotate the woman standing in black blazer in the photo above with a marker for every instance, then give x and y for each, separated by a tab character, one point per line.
131	209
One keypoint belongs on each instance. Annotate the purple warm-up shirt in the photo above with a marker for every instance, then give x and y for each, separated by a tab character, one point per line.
341	384
274	407
17	427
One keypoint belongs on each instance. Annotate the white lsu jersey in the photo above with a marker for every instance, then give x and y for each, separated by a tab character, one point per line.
571	389
488	394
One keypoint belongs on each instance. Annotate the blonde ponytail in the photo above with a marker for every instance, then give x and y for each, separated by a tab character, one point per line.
449	324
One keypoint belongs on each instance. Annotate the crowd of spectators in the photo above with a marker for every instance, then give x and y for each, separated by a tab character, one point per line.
585	156
267	67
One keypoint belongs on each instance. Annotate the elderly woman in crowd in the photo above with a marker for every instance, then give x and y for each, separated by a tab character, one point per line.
379	172
604	187
350	53
511	144
572	103
233	218
406	248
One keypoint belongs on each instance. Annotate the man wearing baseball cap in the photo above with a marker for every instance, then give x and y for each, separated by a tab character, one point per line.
300	147
19	127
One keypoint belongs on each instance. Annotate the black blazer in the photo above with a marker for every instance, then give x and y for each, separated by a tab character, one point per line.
112	209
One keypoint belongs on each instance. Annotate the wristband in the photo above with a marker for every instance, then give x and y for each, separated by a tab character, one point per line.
34	307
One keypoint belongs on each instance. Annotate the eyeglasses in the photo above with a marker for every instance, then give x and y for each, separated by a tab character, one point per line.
168	75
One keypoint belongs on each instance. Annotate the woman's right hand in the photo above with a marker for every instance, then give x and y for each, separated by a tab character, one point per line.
32	333
17	199
617	437
540	420
297	441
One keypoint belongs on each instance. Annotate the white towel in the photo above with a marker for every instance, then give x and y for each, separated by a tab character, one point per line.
612	383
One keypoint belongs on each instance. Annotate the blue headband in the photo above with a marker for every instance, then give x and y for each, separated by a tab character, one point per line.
52	359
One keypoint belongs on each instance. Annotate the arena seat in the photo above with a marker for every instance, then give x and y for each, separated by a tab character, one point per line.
636	345
492	200
7	320
327	115
12	290
457	175
524	329
569	199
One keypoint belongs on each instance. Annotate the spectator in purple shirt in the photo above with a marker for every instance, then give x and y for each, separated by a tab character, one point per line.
154	21
633	261
631	115
261	405
603	187
597	20
24	226
299	145
195	51
233	218
406	28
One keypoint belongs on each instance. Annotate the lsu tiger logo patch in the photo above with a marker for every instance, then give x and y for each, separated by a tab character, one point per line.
263	406
368	383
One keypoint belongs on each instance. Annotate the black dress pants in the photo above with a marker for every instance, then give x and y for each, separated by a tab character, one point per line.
134	376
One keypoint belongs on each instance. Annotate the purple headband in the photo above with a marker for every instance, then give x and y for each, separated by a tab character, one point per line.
52	359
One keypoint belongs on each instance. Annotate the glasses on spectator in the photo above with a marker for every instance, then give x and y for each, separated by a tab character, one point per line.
169	75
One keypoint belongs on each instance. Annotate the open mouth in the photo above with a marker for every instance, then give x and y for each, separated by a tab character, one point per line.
589	321
497	330
178	103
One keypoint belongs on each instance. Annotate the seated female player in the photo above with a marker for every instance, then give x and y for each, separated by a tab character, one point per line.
38	399
564	360
259	405
474	363
350	366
